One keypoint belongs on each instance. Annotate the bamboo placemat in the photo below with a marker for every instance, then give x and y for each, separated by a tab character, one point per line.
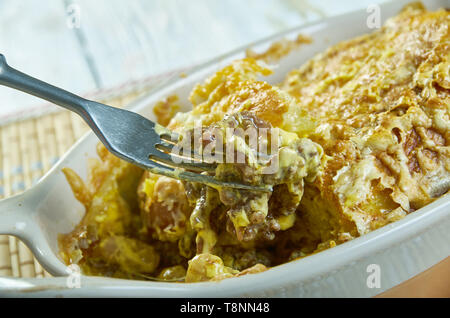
28	148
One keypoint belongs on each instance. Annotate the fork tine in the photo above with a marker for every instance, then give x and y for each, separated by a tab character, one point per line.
173	139
196	166
217	184
158	168
169	148
166	134
165	146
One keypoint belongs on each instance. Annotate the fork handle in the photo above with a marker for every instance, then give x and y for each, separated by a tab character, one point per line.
15	79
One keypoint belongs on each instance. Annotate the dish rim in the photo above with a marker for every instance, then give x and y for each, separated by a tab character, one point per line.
312	266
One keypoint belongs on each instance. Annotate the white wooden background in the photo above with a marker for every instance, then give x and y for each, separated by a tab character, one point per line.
86	45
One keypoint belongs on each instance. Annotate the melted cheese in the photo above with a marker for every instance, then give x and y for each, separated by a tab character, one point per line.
363	128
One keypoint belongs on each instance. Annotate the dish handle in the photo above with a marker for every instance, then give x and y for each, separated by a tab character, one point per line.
18	218
15	216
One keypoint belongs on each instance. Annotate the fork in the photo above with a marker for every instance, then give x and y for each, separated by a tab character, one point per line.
125	134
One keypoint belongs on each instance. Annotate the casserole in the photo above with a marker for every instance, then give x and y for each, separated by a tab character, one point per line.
181	87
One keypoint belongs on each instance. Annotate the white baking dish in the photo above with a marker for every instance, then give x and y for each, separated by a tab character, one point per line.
399	251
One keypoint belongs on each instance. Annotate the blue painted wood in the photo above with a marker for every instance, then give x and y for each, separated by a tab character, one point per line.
84	45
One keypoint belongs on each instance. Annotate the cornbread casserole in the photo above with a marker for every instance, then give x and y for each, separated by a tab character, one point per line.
363	132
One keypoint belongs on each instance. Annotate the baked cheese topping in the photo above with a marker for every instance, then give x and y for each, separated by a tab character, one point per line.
363	140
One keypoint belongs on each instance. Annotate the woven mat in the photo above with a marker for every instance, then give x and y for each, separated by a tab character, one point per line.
28	148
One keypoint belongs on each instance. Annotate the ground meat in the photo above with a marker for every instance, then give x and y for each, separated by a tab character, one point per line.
165	210
252	215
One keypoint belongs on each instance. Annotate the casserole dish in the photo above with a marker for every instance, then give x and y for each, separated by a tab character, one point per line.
315	275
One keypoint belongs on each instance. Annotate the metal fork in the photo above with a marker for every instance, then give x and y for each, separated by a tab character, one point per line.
125	134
